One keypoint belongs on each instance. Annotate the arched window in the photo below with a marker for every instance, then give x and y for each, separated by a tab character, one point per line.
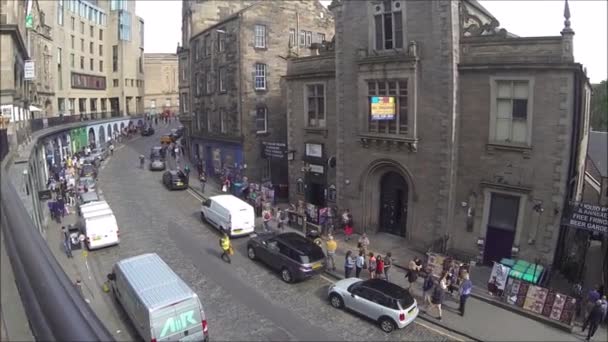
300	186
331	193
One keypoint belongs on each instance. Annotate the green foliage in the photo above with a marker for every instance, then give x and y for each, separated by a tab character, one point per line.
599	107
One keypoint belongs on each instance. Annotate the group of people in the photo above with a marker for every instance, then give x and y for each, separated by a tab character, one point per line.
595	307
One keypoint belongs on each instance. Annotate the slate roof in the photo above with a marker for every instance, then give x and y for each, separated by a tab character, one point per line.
598	151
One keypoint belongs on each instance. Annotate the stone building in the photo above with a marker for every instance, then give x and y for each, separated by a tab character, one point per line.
161	83
98	57
236	67
435	141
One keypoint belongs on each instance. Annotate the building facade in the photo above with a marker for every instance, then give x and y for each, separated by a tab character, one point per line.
98	59
434	139
161	86
236	66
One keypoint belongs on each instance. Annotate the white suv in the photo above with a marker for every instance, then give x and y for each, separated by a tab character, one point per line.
386	303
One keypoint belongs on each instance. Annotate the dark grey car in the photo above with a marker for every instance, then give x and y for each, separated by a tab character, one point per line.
295	256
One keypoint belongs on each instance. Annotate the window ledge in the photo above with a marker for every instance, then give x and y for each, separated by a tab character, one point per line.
493	146
316	130
265	48
388	141
262	134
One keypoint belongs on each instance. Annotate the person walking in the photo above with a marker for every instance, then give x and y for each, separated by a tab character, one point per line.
363	242
111	148
349	264
412	272
592	296
67	245
225	245
371	265
331	245
438	295
187	172
266	217
203	179
282	219
348	231
465	291
427	287
388	263
359	264
379	267
594	319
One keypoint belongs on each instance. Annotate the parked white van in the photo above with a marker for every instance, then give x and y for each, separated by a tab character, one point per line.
92	206
100	228
230	214
159	303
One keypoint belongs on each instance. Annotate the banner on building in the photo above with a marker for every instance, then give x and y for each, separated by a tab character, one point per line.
274	150
29	71
382	108
586	216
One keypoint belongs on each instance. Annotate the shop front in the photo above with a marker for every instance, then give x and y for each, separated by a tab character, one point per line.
275	156
220	159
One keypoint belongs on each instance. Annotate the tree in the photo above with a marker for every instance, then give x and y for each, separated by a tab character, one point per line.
599	107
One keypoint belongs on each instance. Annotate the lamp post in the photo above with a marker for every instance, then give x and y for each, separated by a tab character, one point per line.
25	180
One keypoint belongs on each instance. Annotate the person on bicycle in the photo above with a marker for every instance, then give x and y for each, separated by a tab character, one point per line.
225	245
141	160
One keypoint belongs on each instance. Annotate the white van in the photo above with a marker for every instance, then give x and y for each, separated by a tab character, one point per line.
93	206
100	228
230	214
158	302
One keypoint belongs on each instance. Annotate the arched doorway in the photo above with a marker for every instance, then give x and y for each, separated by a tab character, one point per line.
393	204
102	136
91	136
109	131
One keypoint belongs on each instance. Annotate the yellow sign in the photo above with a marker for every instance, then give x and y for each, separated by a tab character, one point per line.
382	108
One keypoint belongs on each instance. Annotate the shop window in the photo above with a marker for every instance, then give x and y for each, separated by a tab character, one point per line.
331	193
300	186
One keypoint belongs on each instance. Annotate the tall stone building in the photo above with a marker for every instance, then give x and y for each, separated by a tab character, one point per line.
450	132
236	66
161	86
98	57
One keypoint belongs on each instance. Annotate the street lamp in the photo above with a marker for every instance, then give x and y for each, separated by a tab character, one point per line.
25	178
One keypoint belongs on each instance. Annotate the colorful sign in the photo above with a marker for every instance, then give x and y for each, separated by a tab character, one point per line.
177	324
586	216
29	21
382	108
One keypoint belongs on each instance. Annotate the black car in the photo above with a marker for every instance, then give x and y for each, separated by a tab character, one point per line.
88	170
158	152
147	131
295	256
175	180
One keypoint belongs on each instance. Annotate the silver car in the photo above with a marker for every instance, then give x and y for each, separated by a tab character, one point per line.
157	165
386	303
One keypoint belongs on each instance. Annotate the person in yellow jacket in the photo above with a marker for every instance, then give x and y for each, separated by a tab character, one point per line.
331	245
226	247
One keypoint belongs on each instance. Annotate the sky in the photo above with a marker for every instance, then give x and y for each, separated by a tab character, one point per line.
589	20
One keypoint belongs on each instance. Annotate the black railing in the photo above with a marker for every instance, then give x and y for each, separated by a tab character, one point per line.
38	124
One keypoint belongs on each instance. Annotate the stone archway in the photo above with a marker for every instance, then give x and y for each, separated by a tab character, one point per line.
102	135
388	195
92	138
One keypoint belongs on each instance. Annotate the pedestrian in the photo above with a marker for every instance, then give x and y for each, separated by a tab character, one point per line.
592	296
604	307
187	171
363	242
67	245
346	218
111	148
465	292
594	319
349	264
577	293
379	266
348	231
281	219
359	264
266	216
412	272
388	263
427	288
437	296
203	179
371	265
78	285
331	246
226	247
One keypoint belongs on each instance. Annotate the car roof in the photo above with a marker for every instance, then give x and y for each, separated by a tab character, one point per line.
155	148
388	288
89	196
229	201
298	242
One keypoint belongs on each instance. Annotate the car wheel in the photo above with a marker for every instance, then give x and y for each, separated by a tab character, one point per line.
387	325
286	275
251	253
336	301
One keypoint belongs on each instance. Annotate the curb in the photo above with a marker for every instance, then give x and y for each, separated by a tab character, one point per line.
421	315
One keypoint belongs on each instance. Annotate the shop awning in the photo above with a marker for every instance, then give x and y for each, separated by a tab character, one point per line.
35	109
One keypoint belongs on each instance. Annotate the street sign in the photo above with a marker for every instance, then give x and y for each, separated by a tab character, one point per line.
29	21
29	70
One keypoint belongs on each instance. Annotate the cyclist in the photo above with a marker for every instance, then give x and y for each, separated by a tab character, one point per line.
141	160
225	244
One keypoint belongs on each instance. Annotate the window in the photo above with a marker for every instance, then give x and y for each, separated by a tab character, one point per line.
511	112
260	76
222	79
73	23
72	61
221	40
81	44
115	82
60	12
207	43
124	26
141	60
292	37
73	42
331	193
91	31
397	90
223	126
208	82
72	105
208	120
388	25
59	71
118	5
320	37
91	62
82	27
81	62
141	33
195	49
260	36
101	66
115	58
261	120
100	50
308	38
198	79
315	105
302	38
91	47
300	186
61	104
100	34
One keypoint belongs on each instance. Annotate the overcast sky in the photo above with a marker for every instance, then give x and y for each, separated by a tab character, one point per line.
524	18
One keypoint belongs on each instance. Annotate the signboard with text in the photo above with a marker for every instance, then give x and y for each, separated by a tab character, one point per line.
274	150
586	216
382	108
29	71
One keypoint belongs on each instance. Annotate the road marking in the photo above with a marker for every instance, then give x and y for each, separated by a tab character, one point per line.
195	195
324	277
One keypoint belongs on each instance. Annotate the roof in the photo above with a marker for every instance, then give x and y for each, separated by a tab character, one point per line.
89	196
229	201
388	288
598	151
300	243
154	281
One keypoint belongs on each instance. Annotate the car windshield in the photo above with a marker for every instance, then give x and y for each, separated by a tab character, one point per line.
87	168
